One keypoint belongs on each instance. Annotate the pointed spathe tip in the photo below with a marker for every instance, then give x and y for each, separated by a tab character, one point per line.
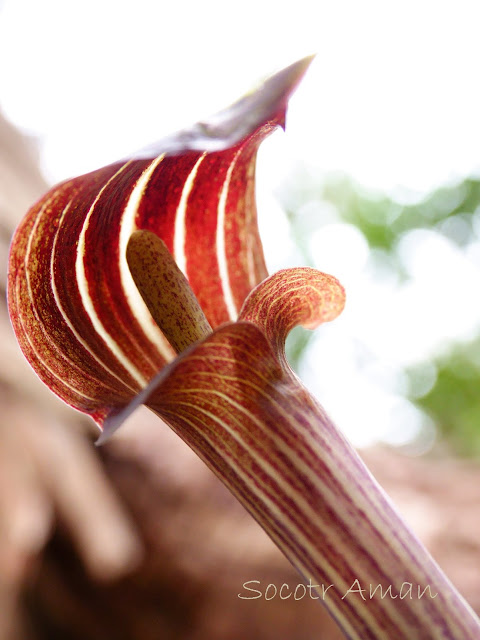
263	105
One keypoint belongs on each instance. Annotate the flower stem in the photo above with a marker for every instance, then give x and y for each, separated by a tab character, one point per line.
274	447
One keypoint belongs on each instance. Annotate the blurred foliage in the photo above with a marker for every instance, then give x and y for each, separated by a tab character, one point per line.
382	220
452	210
454	400
297	342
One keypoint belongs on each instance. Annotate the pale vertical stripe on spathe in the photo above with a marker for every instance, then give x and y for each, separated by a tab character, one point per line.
26	333
62	311
85	295
135	301
180	219
220	244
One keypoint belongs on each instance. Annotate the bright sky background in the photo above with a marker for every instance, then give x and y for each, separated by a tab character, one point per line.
393	99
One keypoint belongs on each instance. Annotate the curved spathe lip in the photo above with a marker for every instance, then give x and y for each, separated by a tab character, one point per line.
290	297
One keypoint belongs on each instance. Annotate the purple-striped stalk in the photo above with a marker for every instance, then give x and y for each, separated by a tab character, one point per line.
144	282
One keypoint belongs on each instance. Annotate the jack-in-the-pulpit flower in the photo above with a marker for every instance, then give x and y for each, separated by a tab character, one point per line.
144	283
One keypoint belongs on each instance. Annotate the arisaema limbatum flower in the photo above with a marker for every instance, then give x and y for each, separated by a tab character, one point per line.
144	282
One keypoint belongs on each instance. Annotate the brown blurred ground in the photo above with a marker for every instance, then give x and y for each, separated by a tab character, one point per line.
138	540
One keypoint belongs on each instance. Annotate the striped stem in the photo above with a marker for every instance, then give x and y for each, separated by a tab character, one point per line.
274	447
